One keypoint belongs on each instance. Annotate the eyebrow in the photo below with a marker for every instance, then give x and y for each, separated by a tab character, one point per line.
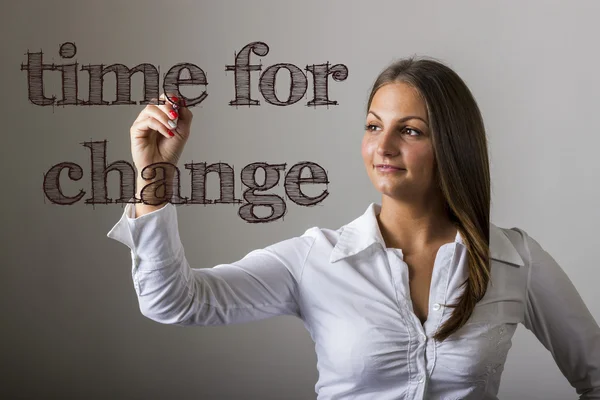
401	119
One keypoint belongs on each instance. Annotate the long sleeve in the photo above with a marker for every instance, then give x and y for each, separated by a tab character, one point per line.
558	317
264	283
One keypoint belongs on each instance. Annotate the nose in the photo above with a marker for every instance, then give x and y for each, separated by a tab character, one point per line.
387	146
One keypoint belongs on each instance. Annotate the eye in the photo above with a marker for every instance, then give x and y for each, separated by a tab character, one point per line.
414	130
369	126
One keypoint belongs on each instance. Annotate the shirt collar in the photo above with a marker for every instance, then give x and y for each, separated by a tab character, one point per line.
364	232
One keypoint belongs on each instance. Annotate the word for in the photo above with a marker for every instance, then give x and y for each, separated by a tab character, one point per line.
198	171
242	68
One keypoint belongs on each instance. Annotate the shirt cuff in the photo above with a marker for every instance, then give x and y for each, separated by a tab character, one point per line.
153	238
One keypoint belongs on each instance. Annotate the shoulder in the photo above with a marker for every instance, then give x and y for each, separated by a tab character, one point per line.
334	244
324	235
535	256
300	246
508	245
528	247
514	234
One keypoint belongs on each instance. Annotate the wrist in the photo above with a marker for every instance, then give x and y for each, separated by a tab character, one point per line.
143	209
154	193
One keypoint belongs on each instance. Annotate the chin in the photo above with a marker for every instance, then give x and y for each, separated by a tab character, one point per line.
389	191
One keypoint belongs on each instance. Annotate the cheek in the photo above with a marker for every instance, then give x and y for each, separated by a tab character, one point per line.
421	159
366	149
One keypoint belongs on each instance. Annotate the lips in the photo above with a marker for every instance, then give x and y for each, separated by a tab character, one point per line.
386	166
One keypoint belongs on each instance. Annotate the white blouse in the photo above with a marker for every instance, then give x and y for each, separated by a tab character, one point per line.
352	294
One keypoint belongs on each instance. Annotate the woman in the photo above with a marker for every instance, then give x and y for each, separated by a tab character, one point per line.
417	298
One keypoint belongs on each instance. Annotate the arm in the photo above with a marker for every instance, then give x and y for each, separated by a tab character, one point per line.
264	283
558	317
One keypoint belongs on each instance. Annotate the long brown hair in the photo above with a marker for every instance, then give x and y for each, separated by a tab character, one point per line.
461	154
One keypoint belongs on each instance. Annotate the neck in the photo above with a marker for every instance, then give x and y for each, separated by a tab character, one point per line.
416	226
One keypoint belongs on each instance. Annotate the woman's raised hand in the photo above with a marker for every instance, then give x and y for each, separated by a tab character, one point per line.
153	140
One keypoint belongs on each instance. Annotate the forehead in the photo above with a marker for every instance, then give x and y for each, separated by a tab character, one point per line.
397	99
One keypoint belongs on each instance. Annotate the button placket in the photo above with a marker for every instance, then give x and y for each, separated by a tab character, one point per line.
395	264
441	295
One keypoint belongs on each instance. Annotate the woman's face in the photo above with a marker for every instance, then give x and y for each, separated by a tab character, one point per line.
397	134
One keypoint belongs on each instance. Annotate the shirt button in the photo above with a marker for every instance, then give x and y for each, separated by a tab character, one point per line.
436	306
423	337
420	379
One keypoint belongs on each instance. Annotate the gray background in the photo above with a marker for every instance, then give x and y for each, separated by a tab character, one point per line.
71	323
